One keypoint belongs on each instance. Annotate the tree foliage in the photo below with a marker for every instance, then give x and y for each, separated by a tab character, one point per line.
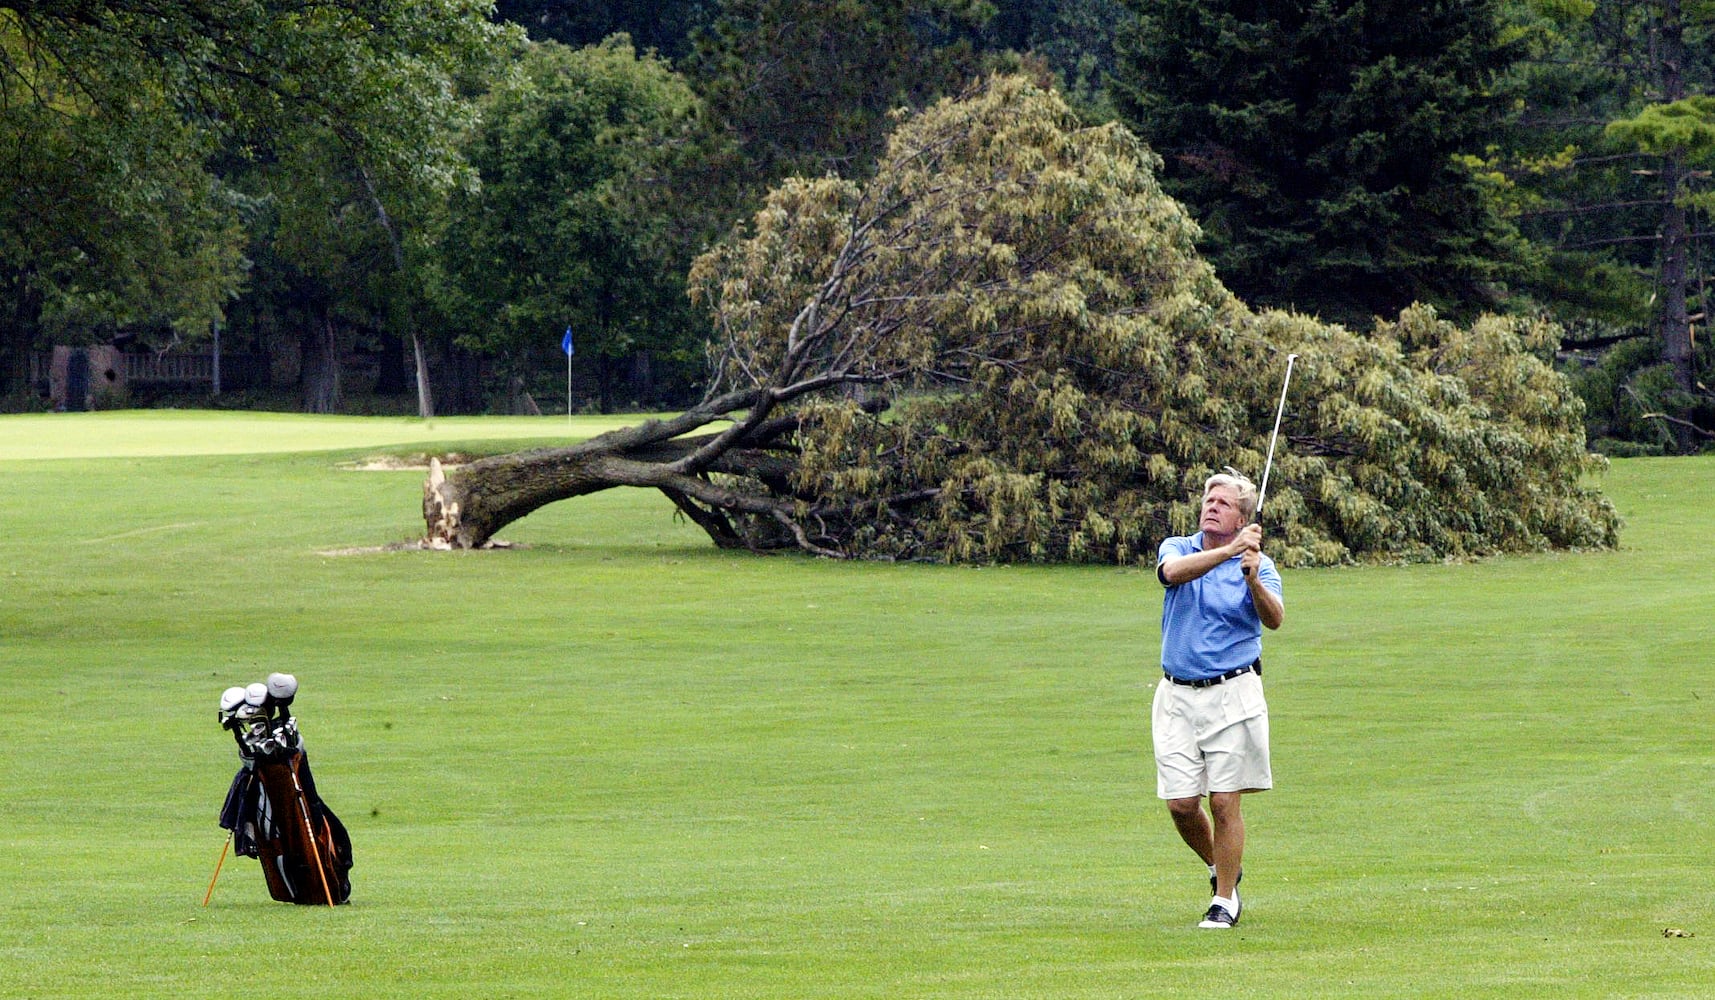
568	227
1607	169
661	26
1315	142
805	86
1003	346
145	107
108	215
1074	37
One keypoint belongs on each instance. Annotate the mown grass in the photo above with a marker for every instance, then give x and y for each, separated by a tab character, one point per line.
618	763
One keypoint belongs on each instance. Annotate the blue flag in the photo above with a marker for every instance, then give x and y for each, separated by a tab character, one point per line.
566	342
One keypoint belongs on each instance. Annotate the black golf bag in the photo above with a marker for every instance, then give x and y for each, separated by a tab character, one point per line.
277	817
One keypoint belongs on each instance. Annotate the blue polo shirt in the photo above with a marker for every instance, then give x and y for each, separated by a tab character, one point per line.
1209	625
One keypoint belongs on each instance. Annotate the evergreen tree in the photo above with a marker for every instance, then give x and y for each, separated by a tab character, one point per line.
1607	169
1075	38
1315	142
1577	195
805	87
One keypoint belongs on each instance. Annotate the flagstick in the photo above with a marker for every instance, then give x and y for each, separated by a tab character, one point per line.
568	389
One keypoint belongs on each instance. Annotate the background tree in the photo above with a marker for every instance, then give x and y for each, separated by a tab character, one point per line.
1315	142
165	85
1678	128
330	259
661	26
107	219
1062	370
805	86
1075	38
1569	188
1681	133
568	227
1605	170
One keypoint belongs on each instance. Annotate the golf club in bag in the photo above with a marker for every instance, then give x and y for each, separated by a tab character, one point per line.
272	809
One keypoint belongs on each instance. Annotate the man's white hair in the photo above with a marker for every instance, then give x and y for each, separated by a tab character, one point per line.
1244	491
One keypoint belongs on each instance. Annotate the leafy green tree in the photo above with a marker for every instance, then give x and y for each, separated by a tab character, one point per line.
662	26
326	261
1315	141
106	219
1003	346
568	228
149	90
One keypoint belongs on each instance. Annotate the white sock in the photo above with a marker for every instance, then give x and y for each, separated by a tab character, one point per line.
1230	905
1211	871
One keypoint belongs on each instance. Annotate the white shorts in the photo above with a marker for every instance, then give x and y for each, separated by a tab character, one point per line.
1211	739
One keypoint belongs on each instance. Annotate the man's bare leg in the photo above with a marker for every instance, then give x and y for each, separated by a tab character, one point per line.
1229	841
1193	825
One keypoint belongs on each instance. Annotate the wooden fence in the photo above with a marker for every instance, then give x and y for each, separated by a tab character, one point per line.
236	370
167	367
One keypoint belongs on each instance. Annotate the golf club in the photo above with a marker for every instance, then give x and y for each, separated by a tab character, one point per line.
272	811
282	688
1262	491
1268	464
230	699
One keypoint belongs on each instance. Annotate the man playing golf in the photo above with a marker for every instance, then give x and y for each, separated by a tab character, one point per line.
1209	720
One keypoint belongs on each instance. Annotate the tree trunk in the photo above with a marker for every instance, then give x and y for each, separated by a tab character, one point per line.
392	379
321	366
425	400
465	508
1675	281
519	401
642	380
604	383
1675	234
20	321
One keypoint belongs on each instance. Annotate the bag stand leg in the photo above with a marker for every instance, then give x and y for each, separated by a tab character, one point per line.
207	895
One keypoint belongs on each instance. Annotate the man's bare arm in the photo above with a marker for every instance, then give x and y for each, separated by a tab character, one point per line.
1269	607
1188	567
1185	568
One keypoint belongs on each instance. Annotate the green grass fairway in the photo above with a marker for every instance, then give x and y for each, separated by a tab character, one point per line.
151	433
616	763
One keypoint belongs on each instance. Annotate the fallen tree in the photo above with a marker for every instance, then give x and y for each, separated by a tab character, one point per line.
1003	346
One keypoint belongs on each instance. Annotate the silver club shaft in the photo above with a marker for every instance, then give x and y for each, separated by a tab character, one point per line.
1262	491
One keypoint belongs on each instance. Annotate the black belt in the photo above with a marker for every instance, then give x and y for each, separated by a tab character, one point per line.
1212	681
